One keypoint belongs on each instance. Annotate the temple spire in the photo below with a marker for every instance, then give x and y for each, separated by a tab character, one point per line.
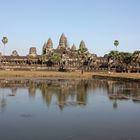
48	47
49	43
63	43
73	48
82	45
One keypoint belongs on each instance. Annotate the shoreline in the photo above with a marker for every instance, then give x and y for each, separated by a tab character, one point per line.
44	75
116	78
7	74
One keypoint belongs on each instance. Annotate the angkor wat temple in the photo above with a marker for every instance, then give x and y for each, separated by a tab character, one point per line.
63	58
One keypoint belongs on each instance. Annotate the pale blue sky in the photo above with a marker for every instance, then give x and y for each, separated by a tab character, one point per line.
29	23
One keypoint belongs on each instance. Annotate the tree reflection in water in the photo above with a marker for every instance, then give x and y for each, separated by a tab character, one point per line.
3	102
71	92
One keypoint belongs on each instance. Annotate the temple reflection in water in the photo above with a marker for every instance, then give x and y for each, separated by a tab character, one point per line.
70	92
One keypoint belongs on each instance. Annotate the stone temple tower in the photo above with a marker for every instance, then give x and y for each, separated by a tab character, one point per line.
63	42
73	48
32	52
48	47
82	45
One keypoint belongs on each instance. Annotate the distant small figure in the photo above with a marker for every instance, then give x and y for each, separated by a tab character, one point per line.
82	72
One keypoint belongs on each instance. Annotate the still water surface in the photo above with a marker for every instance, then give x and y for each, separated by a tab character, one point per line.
69	110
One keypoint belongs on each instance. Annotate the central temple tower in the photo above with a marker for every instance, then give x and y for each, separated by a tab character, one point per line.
63	42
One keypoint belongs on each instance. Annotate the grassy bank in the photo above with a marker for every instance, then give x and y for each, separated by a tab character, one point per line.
64	75
45	74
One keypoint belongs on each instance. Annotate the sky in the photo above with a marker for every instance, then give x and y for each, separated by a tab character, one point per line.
29	23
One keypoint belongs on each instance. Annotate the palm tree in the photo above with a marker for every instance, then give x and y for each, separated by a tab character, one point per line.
114	55
4	41
116	43
126	59
114	58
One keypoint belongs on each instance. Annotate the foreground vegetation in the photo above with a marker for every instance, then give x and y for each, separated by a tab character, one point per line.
124	60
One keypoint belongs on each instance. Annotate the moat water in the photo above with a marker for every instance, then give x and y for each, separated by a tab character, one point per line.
69	110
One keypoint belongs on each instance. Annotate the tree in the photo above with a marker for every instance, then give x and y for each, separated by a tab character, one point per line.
126	57
55	58
4	41
114	58
116	43
136	58
126	60
120	59
114	54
